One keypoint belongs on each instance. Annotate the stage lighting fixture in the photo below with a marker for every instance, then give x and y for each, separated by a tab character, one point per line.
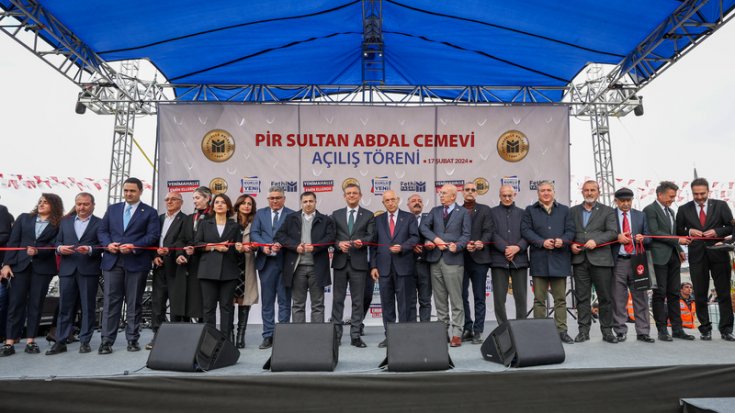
81	108
638	110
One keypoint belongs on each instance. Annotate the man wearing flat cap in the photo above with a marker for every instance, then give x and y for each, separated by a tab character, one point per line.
632	226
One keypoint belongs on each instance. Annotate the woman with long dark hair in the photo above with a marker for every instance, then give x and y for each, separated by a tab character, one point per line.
246	293
219	267
29	271
188	302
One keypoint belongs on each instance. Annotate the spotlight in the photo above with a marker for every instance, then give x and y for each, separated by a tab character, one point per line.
638	110
81	108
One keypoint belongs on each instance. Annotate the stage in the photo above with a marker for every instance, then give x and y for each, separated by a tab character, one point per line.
596	376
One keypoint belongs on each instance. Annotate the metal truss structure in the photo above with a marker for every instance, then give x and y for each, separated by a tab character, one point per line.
105	90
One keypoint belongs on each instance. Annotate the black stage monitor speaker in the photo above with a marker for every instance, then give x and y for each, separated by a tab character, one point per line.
303	347
522	343
191	347
417	347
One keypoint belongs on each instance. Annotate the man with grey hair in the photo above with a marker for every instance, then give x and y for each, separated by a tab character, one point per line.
269	263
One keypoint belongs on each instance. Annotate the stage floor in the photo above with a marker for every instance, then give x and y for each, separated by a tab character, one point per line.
594	354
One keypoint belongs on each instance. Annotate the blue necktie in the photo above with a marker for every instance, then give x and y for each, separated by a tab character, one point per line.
126	216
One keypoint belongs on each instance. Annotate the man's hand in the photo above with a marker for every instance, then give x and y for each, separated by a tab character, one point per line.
162	251
549	244
440	244
558	243
66	249
126	248
710	233
344	246
471	246
300	249
429	245
276	247
639	238
357	243
479	245
158	262
113	247
31	251
374	274
511	251
83	249
576	249
189	250
7	273
308	247
267	250
682	257
452	247
624	238
695	233
395	248
181	260
590	245
418	248
684	241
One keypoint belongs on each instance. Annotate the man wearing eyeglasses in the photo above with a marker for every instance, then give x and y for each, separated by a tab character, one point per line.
447	229
269	263
164	264
476	264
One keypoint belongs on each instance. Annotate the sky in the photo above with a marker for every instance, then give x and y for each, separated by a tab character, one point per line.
687	123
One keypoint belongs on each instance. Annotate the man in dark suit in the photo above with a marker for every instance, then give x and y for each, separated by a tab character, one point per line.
164	264
79	272
592	264
708	218
391	261
447	231
476	264
632	227
269	263
6	222
422	278
125	228
667	256
306	238
354	227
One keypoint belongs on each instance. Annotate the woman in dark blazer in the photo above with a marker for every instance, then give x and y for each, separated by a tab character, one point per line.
30	270
219	266
188	292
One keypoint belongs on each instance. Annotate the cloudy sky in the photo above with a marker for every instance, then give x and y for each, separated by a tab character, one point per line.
688	120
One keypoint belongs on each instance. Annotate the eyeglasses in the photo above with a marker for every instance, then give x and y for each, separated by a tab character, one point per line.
470	190
172	199
274	198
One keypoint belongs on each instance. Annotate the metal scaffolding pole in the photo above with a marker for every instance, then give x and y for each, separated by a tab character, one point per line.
602	149
122	137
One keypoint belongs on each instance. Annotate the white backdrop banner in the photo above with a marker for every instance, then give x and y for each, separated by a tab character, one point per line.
245	149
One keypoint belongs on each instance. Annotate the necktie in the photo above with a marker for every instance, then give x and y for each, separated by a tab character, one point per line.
275	220
126	216
446	212
351	221
626	229
392	225
669	215
702	216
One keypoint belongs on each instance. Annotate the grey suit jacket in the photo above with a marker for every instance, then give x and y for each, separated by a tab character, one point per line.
457	230
363	229
602	227
659	224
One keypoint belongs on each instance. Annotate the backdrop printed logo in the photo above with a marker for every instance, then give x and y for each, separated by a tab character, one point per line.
482	185
287	186
319	186
218	186
413	186
218	145
250	185
182	185
459	183
350	181
533	185
513	181
513	146
380	184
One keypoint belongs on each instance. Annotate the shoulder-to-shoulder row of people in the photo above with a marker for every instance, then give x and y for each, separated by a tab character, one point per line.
210	259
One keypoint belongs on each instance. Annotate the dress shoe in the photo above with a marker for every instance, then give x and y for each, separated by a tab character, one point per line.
621	337
664	337
383	344
706	336
456	341
149	346
85	348
7	350
133	345
476	338
565	338
728	337
56	349
682	335
645	338
357	342
610	338
581	337
105	348
467	335
267	343
32	348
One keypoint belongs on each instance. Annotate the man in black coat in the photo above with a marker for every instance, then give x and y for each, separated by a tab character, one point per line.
708	218
306	237
422	278
476	264
6	222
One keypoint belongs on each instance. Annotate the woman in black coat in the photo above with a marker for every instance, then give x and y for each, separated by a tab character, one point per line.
219	266
29	271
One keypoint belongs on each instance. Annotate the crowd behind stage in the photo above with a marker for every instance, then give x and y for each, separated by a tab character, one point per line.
213	259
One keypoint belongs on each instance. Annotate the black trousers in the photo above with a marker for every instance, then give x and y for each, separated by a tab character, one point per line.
586	275
395	290
222	292
501	278
355	280
665	300
163	291
477	275
367	297
700	272
27	291
422	279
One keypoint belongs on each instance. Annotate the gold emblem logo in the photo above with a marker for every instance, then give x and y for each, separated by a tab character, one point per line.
218	186
349	181
482	185
513	146
218	145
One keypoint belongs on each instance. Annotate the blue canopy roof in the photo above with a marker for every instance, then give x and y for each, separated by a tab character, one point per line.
534	43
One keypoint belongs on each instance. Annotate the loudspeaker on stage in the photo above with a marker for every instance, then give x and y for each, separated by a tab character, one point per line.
191	347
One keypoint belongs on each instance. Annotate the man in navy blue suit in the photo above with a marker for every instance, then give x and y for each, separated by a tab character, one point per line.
79	272
632	227
125	228
269	263
392	261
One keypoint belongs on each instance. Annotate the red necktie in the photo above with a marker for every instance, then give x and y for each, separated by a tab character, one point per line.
702	216
626	230
392	225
